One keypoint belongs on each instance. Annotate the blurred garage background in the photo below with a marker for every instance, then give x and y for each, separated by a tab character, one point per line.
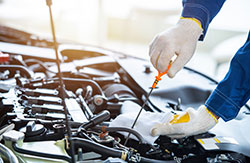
130	25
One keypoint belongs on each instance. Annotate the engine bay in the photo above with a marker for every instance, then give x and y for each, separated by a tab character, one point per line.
98	82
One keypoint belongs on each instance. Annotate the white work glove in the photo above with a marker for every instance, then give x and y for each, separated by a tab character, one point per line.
180	40
145	122
191	122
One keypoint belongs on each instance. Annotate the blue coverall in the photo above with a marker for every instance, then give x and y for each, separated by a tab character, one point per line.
234	90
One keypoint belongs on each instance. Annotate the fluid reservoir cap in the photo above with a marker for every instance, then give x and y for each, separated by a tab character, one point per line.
147	69
4	57
13	135
99	100
59	128
33	129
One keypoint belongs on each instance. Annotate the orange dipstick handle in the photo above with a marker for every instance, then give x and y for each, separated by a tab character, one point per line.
158	77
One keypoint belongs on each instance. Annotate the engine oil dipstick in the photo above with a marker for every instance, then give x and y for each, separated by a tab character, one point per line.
157	79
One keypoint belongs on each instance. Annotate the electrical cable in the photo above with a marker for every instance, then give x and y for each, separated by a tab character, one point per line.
23	70
2	119
40	154
197	72
83	134
18	61
40	63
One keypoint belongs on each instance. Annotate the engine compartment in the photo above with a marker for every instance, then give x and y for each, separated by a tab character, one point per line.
97	84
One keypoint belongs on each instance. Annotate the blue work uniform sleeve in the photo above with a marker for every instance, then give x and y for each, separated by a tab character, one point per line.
234	90
203	10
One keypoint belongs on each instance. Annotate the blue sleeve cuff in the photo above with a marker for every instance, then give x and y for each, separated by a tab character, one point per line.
222	106
199	12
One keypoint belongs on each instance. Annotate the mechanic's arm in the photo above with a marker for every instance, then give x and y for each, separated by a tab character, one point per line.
226	100
181	40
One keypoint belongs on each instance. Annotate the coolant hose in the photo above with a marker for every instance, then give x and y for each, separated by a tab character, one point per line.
98	148
148	160
40	154
8	154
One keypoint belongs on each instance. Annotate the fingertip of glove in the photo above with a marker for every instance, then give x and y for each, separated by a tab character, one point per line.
171	74
155	132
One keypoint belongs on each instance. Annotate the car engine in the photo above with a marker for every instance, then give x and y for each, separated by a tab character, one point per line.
97	83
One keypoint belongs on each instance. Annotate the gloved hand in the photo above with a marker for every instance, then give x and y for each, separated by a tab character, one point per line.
188	123
180	40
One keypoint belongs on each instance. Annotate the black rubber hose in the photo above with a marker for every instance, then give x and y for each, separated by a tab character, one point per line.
14	68
40	154
97	119
68	81
95	147
107	151
8	154
148	160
